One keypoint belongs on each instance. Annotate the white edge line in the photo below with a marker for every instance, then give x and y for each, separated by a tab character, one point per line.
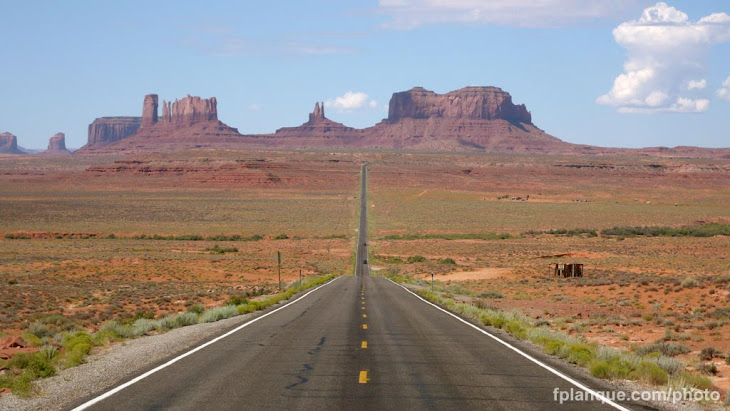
594	393
194	350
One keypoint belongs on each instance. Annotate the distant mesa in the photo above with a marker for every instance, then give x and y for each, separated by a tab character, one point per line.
57	145
319	131
9	144
183	113
472	103
107	130
482	119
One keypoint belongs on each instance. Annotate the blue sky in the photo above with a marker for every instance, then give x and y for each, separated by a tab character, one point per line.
627	73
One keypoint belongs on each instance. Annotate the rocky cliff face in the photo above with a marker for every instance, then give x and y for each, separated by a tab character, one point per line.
107	130
190	110
149	110
57	145
469	103
185	123
317	115
319	131
9	144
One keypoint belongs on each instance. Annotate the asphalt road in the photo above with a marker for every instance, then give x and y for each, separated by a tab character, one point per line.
357	343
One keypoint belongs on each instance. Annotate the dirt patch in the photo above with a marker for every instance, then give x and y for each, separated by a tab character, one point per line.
481	274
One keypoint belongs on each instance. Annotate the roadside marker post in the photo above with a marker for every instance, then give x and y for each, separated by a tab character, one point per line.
431	283
278	259
300	278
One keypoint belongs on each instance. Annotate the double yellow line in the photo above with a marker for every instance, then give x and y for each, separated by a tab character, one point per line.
363	378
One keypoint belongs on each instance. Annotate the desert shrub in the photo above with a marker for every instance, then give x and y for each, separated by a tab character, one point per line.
71	341
490	294
553	347
189	237
703	230
35	363
222	237
218	313
690	282
21	385
708	353
671	365
669	349
461	236
416	259
689	380
613	368
40	330
32	339
720	313
516	328
707	368
446	261
143	326
184	319
49	351
196	308
574	232
281	236
650	373
579	354
216	249
236	300
11	236
118	330
144	314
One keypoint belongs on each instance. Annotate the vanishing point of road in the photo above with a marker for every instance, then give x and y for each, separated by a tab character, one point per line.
356	343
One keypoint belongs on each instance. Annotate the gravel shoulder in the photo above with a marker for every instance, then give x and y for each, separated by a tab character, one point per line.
118	363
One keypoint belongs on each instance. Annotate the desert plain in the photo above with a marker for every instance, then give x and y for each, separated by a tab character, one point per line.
92	239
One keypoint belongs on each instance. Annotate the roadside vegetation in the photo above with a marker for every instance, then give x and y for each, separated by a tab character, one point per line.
63	344
700	230
655	364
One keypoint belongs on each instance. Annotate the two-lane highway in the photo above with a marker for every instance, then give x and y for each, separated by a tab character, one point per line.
359	342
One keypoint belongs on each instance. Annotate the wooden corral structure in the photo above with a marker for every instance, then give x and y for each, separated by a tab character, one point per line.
566	270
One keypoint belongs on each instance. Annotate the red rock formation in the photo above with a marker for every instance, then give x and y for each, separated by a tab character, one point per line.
149	110
319	131
469	119
472	103
317	115
9	144
192	110
57	145
186	123
107	130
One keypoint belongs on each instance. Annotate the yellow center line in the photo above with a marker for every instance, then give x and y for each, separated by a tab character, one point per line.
363	307
364	344
364	326
364	316
363	377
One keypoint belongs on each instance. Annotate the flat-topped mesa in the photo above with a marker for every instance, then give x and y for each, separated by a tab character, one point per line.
9	143
106	130
474	103
149	110
190	110
317	115
57	144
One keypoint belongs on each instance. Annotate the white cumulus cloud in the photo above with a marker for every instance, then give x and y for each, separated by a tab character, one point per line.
409	14
666	57
697	84
724	92
350	101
